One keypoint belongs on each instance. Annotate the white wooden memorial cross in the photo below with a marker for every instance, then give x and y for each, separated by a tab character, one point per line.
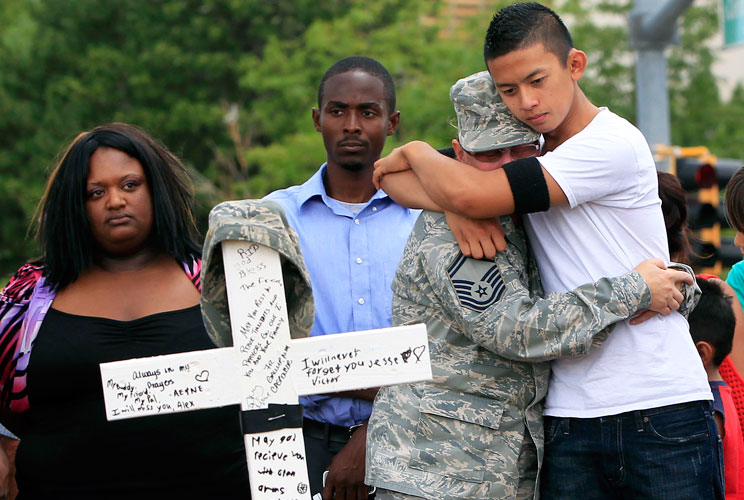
265	371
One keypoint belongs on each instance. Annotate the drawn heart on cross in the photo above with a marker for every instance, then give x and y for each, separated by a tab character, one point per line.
203	376
418	351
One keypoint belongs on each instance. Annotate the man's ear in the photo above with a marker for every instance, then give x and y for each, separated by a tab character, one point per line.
459	152
576	63
393	121
316	119
706	352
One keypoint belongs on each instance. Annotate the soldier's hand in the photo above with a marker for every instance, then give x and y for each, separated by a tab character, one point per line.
477	238
642	316
345	479
665	287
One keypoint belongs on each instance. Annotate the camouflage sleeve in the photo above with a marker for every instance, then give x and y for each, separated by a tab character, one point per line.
517	324
691	292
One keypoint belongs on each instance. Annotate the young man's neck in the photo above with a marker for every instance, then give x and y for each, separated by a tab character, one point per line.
349	186
580	115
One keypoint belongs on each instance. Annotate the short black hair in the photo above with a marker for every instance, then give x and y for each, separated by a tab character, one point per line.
713	320
366	65
735	200
522	25
63	229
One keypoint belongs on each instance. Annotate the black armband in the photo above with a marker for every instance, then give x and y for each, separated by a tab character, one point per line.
276	416
528	185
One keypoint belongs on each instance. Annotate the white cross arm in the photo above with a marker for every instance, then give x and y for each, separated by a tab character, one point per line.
207	379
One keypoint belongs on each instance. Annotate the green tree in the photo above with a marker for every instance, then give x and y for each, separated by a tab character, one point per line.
693	92
228	85
728	132
424	64
170	66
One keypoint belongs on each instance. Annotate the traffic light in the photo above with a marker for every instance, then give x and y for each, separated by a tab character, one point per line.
695	168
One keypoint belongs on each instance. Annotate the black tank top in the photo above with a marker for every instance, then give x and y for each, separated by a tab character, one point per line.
70	450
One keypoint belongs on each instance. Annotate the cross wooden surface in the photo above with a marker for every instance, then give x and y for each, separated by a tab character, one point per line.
265	371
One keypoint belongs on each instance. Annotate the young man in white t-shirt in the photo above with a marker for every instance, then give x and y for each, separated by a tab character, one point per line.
632	419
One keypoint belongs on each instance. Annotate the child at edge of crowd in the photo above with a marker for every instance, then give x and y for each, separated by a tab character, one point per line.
712	325
733	365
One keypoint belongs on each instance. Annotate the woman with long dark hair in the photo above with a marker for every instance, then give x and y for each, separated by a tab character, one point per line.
118	279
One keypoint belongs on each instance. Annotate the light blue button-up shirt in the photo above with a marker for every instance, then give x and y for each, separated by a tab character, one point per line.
351	261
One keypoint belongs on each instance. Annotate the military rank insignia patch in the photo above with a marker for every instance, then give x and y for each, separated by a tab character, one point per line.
478	283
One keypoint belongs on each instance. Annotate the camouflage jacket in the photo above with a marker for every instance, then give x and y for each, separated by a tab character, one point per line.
491	336
257	221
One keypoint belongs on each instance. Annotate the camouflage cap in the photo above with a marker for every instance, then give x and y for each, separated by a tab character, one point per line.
483	120
258	221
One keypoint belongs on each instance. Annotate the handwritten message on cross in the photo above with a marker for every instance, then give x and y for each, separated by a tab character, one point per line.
265	372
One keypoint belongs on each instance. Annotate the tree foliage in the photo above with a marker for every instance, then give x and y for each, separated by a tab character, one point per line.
170	66
228	85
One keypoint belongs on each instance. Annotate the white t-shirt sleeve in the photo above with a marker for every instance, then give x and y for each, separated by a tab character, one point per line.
598	167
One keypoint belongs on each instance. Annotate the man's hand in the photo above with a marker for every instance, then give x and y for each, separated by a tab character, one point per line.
665	287
396	161
345	479
477	238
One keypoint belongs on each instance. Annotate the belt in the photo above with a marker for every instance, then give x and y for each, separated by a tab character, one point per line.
330	432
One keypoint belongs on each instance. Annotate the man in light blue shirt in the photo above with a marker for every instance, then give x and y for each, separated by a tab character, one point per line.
352	237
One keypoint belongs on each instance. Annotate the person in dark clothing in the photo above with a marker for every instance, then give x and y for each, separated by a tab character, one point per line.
119	278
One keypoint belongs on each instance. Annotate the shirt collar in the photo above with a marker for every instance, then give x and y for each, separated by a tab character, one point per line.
314	187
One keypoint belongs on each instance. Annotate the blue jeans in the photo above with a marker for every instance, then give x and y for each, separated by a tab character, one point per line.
666	453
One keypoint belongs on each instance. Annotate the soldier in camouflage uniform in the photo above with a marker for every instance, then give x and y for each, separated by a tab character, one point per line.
475	431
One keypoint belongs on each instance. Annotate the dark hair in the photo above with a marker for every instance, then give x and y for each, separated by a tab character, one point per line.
713	320
365	65
63	230
674	208
522	25
735	200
